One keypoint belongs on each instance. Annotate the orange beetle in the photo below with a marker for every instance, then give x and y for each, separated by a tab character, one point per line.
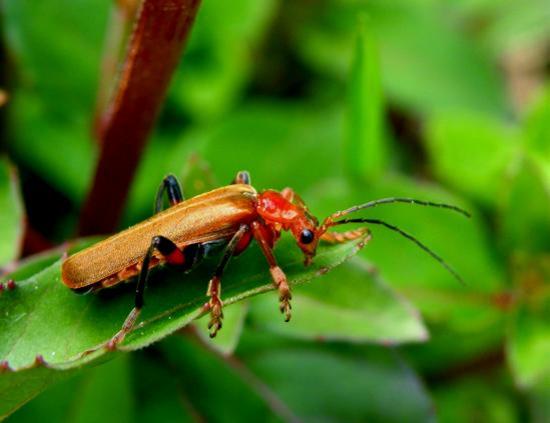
232	215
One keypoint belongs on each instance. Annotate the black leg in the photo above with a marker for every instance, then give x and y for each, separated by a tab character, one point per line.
186	258
242	177
214	287
172	187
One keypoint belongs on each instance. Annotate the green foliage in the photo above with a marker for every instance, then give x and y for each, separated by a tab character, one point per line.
43	317
427	65
220	62
47	132
477	398
473	153
369	380
529	341
11	218
345	102
352	304
366	154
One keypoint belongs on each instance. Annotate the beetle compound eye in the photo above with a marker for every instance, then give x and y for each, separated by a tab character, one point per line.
306	237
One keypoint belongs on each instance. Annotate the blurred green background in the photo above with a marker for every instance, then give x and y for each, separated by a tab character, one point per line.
345	101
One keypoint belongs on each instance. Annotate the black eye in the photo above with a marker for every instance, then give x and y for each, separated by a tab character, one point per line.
306	236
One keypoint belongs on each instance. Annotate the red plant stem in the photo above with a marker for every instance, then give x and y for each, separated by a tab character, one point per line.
154	50
119	29
34	242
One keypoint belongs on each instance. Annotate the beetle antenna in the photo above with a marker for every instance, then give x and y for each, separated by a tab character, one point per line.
390	200
409	237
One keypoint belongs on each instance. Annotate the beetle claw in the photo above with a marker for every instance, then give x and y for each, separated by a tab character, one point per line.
284	301
216	313
285	308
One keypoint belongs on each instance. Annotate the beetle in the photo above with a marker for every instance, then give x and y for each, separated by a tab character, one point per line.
190	229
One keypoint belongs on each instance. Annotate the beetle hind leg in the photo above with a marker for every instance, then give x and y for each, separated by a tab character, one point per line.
184	258
215	306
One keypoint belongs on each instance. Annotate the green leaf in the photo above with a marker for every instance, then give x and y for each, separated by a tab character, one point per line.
538	402
440	297
50	40
428	64
156	385
473	154
233	322
537	126
515	26
220	59
198	177
16	388
477	399
280	143
163	156
338	382
43	317
537	133
525	226
451	347
11	214
352	303
366	154
219	388
180	379
302	141
75	38
529	341
103	392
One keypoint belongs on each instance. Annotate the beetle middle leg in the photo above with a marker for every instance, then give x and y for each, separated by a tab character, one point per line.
242	177
185	258
237	244
172	187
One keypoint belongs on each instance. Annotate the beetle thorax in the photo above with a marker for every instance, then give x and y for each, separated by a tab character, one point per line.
274	209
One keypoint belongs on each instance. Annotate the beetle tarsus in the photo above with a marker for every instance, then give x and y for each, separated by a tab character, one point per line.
129	323
284	302
216	313
279	278
214	286
215	305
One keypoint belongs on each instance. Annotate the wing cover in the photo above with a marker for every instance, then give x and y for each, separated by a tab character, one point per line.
209	216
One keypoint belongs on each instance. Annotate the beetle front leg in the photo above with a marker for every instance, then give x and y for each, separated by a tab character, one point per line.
214	286
172	255
277	274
